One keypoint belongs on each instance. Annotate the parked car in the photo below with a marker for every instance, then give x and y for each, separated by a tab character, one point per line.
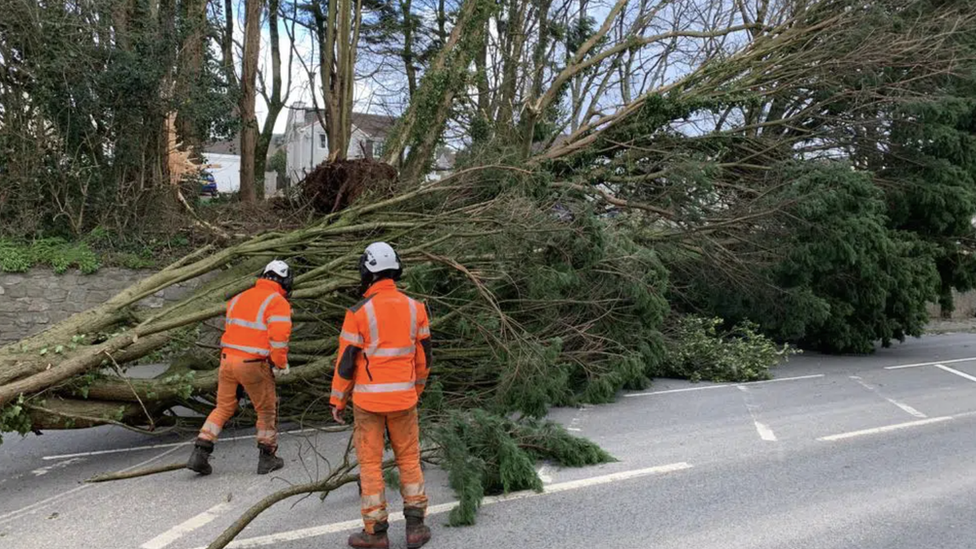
208	184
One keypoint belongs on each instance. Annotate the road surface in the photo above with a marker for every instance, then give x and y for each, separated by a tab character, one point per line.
837	452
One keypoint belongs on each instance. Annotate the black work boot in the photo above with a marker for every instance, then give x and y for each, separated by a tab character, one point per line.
200	458
418	533
377	540
268	461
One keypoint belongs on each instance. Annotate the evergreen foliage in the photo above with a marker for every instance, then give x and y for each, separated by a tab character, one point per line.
841	278
699	349
487	454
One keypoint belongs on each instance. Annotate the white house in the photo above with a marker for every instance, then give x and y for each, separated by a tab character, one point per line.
307	144
225	159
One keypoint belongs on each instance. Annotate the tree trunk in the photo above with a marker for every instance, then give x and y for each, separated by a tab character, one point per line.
408	60
539	69
252	45
481	77
190	70
330	88
227	43
276	101
441	22
446	77
515	42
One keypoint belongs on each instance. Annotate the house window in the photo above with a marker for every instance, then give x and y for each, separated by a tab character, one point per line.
322	141
368	149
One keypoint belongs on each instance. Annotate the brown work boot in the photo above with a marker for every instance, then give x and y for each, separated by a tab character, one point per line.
376	540
200	458
268	461
418	533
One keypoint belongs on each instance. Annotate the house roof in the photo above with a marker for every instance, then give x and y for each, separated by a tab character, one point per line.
224	146
374	125
232	146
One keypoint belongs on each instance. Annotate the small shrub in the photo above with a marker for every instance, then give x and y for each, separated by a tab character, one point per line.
14	418
698	349
57	253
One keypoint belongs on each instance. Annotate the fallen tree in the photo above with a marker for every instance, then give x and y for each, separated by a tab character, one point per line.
545	278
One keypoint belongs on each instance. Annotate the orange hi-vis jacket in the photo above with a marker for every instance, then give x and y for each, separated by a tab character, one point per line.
384	352
258	324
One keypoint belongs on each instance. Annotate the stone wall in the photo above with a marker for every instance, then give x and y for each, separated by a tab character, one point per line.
32	301
965	307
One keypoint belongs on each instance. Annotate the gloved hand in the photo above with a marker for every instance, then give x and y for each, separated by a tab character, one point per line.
278	372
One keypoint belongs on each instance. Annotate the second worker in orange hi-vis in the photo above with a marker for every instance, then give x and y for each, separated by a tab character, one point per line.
384	359
254	350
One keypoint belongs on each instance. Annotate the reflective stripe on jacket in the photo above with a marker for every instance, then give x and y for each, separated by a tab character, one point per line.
258	324
384	352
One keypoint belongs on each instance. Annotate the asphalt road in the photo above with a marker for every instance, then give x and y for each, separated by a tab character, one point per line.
837	452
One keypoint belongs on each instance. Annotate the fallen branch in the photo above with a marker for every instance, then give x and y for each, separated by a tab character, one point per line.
137	473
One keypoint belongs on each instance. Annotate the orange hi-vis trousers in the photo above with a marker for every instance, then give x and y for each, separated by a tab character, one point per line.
258	381
404	430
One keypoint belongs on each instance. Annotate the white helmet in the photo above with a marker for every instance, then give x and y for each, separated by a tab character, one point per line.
278	267
280	272
379	257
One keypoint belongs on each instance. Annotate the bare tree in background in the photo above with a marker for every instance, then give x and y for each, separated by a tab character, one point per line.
249	123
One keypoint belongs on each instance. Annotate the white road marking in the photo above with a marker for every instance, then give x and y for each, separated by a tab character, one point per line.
885	429
957	372
765	433
902	405
936	363
186	527
777	380
34	507
157	446
59	465
724	385
574	425
670	391
305	533
544	474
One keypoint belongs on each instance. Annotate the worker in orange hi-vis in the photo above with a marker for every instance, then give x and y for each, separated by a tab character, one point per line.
254	351
384	359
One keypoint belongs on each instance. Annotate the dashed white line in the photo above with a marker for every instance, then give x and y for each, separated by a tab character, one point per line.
59	465
178	531
936	363
293	535
957	372
765	433
885	429
908	409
